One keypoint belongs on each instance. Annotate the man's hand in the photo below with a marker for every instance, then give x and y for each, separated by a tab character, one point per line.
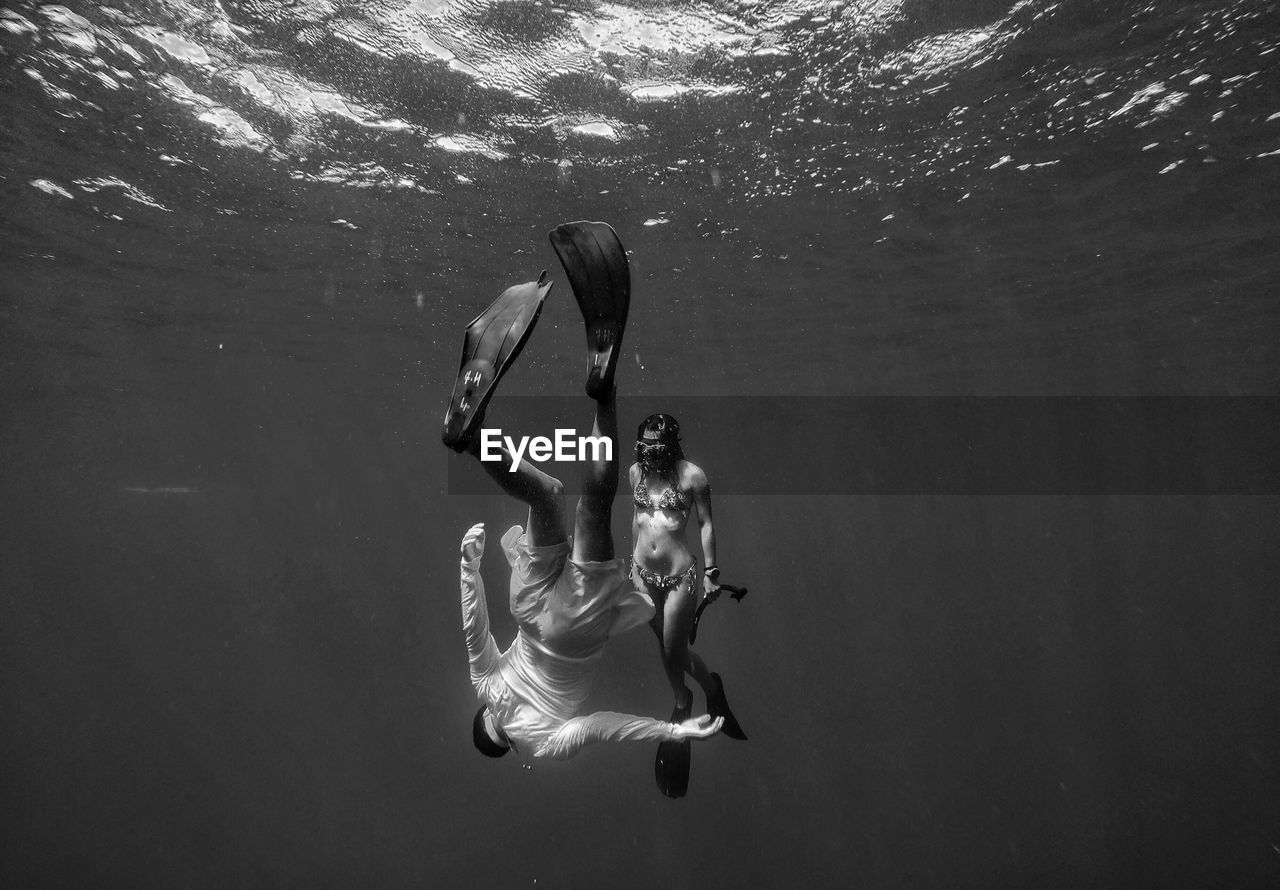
703	727
473	542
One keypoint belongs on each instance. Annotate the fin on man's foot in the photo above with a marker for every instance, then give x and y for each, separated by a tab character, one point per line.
491	343
718	706
596	263
671	767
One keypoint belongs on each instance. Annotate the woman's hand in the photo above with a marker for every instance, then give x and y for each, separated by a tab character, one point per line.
473	542
710	589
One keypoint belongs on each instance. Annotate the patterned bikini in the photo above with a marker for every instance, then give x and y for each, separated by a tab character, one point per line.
673	500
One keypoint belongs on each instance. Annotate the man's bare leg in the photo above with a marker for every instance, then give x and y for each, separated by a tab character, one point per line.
592	522
544	494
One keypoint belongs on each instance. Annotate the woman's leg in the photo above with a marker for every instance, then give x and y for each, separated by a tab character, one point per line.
659	623
671	623
677	657
543	493
592	523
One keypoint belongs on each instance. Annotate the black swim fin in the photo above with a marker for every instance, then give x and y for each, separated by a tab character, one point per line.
489	346
718	706
671	767
735	593
596	263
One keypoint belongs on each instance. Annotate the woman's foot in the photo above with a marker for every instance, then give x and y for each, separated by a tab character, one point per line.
718	706
671	766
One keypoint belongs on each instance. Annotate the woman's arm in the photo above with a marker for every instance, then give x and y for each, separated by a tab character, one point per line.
633	476
706	528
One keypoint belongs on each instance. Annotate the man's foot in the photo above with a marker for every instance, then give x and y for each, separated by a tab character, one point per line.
596	263
489	346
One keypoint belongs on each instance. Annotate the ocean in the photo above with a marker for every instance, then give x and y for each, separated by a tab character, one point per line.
239	244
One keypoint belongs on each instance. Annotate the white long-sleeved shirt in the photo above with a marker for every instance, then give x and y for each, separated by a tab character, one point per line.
536	694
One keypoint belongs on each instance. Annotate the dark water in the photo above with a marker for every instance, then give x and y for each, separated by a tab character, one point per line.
239	242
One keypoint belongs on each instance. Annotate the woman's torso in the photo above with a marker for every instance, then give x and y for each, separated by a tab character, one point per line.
662	506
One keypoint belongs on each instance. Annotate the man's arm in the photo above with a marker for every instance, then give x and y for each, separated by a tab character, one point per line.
609	726
481	649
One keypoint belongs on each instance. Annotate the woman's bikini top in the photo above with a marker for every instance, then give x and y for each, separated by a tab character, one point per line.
670	499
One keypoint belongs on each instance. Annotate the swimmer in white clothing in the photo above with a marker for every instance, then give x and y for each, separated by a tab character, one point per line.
568	595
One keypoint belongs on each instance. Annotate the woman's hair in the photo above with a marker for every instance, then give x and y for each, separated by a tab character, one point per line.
485	745
662	430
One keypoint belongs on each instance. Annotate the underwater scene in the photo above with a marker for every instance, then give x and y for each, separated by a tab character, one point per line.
968	309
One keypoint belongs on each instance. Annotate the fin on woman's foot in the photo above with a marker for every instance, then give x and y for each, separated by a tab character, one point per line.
671	767
718	706
596	263
491	343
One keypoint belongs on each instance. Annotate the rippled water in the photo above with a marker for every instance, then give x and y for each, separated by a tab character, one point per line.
240	238
757	99
1043	197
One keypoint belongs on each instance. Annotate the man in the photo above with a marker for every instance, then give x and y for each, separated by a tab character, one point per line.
568	596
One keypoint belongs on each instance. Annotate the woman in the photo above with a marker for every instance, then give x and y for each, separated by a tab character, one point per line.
666	490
